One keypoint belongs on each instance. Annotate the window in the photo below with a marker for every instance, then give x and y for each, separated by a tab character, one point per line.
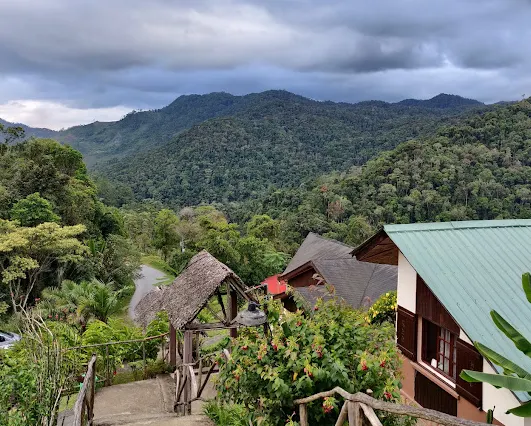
438	348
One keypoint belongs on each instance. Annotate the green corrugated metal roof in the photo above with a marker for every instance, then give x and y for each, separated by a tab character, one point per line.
473	267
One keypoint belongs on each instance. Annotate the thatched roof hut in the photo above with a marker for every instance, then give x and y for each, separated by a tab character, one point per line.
190	291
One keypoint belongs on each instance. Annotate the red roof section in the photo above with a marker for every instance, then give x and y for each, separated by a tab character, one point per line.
274	285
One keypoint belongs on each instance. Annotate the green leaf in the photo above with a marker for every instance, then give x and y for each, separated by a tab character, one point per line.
520	341
508	382
523	410
500	360
526	284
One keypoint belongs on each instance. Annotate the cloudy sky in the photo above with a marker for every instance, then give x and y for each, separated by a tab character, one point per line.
67	62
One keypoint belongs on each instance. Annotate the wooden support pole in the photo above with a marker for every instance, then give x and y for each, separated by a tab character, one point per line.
173	346
233	310
187	359
303	415
354	414
342	415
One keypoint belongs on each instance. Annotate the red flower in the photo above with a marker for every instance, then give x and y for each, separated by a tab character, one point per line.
387	395
299	323
37	299
382	364
245	347
364	366
316	308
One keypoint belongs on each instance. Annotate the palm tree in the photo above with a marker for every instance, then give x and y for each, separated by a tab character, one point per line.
83	301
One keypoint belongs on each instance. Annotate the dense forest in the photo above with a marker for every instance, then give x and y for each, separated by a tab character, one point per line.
274	139
479	169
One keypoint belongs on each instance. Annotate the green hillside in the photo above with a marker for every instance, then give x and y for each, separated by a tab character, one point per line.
260	140
480	169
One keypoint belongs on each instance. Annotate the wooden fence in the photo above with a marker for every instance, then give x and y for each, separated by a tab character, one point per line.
84	407
359	408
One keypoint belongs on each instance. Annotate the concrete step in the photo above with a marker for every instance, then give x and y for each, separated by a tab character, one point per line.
154	420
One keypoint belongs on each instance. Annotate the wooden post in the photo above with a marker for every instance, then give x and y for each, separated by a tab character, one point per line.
303	414
107	366
173	346
354	414
187	359
144	358
233	309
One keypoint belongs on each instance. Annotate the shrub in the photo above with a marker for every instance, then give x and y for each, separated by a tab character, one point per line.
223	414
384	309
305	355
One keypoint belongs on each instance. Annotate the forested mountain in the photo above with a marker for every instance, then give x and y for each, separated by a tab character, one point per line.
479	169
273	138
143	130
30	131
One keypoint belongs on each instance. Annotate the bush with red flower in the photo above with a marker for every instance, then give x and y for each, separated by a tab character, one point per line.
307	354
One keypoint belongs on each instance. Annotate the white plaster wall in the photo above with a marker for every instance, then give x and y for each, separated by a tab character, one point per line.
502	399
407	284
464	337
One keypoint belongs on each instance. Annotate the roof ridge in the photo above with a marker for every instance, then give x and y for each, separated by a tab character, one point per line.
330	239
456	225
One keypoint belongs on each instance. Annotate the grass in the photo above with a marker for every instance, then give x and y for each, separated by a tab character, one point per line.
226	414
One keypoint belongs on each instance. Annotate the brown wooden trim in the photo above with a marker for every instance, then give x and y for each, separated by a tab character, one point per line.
297	271
470	359
406	332
420	368
429	307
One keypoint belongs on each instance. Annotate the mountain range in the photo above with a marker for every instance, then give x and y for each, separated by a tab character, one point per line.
221	147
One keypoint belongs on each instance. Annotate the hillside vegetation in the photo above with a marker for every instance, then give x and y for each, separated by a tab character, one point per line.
269	139
480	169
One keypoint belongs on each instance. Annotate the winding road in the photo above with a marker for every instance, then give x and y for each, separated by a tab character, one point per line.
149	277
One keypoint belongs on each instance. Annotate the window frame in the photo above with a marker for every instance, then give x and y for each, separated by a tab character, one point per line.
439	356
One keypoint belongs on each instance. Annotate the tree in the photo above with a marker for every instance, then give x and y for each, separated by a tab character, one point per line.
33	210
514	377
263	226
27	255
166	235
80	302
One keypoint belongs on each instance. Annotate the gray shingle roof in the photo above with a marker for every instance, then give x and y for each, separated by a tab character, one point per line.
357	283
316	247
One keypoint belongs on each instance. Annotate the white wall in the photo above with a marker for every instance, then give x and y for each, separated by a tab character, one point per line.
464	337
502	399
407	284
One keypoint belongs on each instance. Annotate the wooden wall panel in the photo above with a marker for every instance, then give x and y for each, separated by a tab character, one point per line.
429	395
429	307
468	358
406	332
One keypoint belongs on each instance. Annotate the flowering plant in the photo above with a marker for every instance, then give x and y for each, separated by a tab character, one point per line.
384	309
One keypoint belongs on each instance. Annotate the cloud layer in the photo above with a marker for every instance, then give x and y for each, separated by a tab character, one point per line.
63	60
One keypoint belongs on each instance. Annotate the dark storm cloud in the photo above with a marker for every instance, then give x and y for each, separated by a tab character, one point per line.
138	54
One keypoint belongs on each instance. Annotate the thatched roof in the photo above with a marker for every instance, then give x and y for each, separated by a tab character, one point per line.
190	291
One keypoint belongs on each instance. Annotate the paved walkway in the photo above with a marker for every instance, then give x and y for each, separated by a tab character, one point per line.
146	402
149	277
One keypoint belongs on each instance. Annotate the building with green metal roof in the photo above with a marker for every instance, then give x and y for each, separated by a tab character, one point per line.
450	276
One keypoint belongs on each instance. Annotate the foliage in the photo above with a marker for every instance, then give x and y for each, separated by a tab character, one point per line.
475	170
166	236
79	303
306	355
514	377
33	210
226	414
32	377
234	148
27	254
384	309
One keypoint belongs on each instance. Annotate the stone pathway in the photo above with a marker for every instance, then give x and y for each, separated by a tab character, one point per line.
146	402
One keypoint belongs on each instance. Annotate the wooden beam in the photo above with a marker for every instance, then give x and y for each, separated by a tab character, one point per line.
370	414
210	326
390	407
233	311
303	415
220	301
173	346
342	415
187	359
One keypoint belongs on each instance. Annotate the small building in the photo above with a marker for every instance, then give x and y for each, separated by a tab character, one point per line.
450	276
325	268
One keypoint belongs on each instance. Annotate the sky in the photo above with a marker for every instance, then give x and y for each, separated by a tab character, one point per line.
69	62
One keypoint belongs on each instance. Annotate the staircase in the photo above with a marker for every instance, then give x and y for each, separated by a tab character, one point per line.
147	402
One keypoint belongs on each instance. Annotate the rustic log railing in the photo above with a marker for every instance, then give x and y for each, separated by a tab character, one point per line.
84	407
105	354
359	409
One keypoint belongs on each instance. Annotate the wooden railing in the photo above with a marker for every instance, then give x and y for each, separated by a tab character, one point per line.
84	407
188	386
359	408
106	358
